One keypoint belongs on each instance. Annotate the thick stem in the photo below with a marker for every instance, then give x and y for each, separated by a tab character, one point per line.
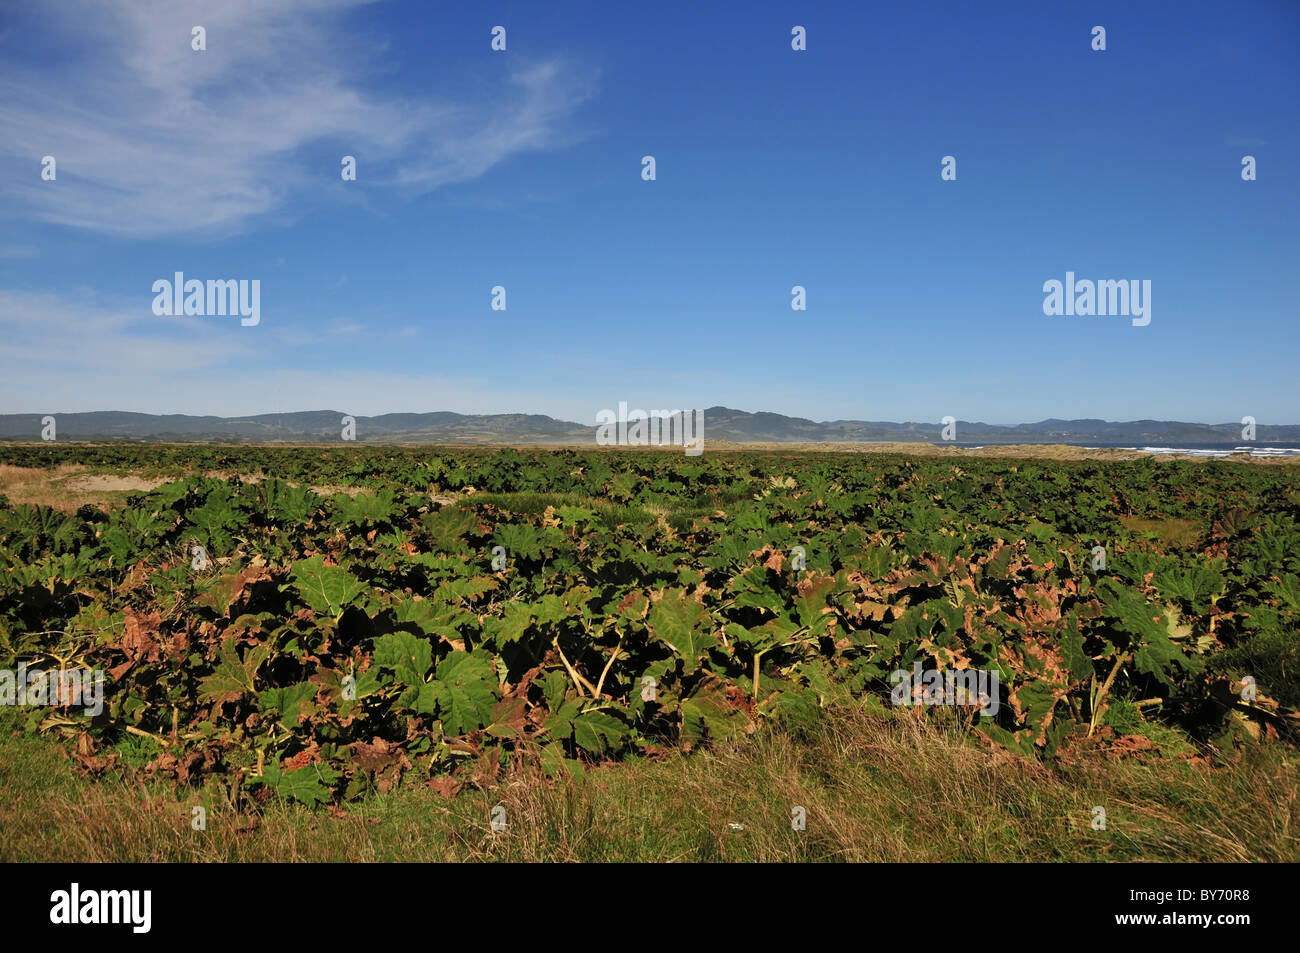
133	730
578	680
1099	702
600	683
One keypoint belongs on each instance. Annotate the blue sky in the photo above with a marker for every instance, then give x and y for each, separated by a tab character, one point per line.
775	168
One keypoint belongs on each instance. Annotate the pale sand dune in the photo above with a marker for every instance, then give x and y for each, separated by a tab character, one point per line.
113	483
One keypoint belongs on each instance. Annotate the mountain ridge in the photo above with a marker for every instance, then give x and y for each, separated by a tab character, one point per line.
720	423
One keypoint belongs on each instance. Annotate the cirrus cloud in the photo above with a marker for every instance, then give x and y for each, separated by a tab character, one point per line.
154	139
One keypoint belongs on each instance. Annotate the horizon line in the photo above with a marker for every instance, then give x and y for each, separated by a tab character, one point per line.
715	407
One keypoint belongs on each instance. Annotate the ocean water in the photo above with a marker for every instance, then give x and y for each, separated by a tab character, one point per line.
1191	450
1211	452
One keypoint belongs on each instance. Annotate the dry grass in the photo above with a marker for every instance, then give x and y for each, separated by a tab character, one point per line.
874	789
68	487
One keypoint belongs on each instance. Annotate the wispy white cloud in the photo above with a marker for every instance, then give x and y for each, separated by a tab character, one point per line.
345	328
153	138
76	351
46	336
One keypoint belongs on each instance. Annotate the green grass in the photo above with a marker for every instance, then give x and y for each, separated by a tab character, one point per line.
874	789
1175	533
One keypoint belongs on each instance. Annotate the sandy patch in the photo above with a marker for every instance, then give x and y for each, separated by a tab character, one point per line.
112	483
331	490
249	479
67	487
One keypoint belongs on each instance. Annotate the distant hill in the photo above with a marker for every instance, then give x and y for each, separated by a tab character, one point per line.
309	426
720	423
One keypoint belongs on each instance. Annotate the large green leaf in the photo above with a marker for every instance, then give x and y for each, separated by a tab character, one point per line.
287	701
706	714
511	625
465	691
409	658
310	784
1154	653
407	655
328	590
682	624
233	677
598	731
